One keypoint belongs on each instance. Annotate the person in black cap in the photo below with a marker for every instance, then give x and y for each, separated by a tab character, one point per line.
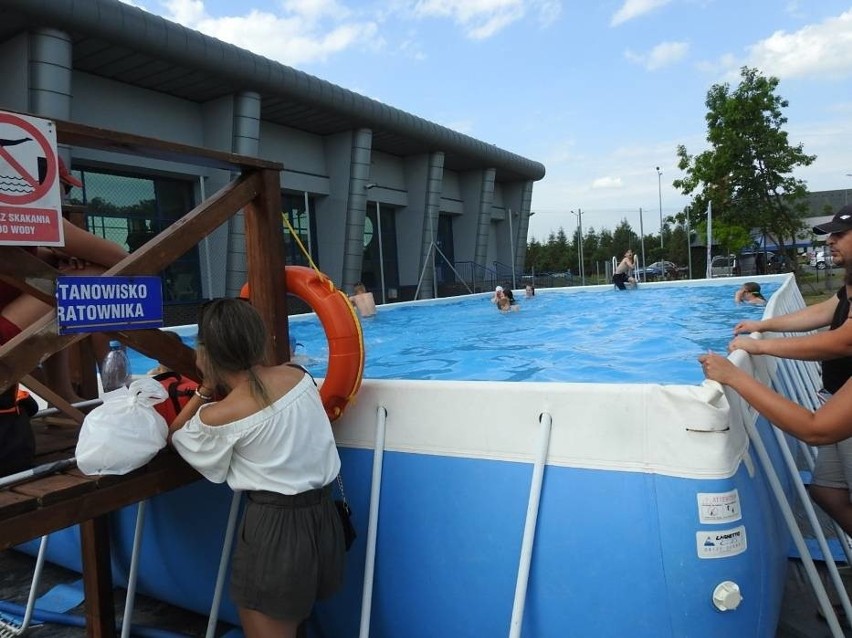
832	477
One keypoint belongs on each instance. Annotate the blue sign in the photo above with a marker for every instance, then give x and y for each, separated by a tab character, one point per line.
96	304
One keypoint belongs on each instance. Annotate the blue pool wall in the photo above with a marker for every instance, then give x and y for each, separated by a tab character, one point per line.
615	546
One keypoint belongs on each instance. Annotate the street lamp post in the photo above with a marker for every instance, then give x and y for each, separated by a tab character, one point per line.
580	265
512	247
689	246
642	242
660	195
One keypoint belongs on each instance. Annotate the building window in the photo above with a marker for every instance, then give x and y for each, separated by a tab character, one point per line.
380	253
130	210
304	223
444	241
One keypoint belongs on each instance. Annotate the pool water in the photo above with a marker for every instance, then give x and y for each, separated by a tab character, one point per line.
649	335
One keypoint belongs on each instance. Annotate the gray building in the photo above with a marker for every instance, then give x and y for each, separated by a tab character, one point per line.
368	189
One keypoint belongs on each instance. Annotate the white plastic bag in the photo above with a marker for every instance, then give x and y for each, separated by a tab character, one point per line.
125	432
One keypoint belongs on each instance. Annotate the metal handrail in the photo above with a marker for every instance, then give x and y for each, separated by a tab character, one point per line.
529	527
213	618
373	523
11	628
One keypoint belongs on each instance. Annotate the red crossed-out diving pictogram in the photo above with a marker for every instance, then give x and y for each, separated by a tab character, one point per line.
45	148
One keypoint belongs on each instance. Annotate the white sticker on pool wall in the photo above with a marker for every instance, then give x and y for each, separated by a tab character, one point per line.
721	543
719	507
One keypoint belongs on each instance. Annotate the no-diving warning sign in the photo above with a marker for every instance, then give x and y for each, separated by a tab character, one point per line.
30	196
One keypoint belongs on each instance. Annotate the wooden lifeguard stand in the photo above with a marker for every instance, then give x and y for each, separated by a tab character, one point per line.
46	504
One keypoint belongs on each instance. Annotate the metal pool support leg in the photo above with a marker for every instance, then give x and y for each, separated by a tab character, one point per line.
792	526
223	564
126	623
812	518
529	526
372	525
795	376
10	628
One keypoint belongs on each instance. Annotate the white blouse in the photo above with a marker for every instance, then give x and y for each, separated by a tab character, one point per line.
287	447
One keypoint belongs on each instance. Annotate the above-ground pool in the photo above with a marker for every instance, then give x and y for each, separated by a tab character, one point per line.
649	335
649	498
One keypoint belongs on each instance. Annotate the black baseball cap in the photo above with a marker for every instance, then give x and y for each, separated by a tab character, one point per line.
840	223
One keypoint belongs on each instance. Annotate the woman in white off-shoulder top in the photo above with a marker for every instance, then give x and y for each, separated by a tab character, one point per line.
268	435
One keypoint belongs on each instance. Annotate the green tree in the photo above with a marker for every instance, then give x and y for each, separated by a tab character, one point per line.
623	238
747	172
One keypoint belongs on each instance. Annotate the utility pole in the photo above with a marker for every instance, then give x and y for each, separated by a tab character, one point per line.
642	236
581	270
660	195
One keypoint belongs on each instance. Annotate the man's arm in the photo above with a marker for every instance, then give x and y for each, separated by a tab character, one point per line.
829	424
809	318
828	344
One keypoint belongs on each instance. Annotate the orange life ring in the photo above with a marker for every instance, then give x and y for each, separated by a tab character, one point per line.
342	329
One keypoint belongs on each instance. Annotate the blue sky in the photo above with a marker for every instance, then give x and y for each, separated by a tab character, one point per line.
600	91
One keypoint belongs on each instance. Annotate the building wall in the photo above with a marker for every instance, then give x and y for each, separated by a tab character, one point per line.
318	166
13	70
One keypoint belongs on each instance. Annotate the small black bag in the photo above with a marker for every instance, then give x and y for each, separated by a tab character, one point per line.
17	441
345	513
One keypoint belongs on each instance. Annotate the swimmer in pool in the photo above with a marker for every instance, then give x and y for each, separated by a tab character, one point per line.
750	293
621	276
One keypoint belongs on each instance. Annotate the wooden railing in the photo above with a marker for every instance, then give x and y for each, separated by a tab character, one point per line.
54	502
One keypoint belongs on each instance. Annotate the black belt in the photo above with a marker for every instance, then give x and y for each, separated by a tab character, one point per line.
304	499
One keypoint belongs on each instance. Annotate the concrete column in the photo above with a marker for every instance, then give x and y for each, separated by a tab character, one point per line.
523	227
50	73
50	78
359	177
431	212
245	141
483	227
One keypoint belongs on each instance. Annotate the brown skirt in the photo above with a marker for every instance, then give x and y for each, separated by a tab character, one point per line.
289	553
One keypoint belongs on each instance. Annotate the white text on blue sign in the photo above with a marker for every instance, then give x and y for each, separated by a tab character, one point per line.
91	304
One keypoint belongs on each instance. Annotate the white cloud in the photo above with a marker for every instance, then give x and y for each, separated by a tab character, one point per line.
662	55
462	126
315	9
823	49
548	11
607	182
186	12
816	51
304	31
635	8
481	19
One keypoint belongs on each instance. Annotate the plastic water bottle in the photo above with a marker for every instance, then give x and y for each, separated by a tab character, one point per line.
115	371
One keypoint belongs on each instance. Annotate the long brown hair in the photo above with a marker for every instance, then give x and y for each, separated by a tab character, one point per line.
234	338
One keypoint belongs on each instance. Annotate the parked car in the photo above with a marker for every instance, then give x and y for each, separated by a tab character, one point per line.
723	266
667	269
818	260
658	270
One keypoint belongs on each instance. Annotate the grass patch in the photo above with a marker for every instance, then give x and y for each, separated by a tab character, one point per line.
816	287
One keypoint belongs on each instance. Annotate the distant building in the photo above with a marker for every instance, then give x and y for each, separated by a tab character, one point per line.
823	204
367	187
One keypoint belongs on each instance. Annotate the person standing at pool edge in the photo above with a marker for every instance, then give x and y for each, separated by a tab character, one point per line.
622	271
363	300
270	437
832	476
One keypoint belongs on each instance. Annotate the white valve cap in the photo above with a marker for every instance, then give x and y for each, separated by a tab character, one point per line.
727	596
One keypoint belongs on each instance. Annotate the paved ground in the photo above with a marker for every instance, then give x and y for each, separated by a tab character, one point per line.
16	571
799	617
